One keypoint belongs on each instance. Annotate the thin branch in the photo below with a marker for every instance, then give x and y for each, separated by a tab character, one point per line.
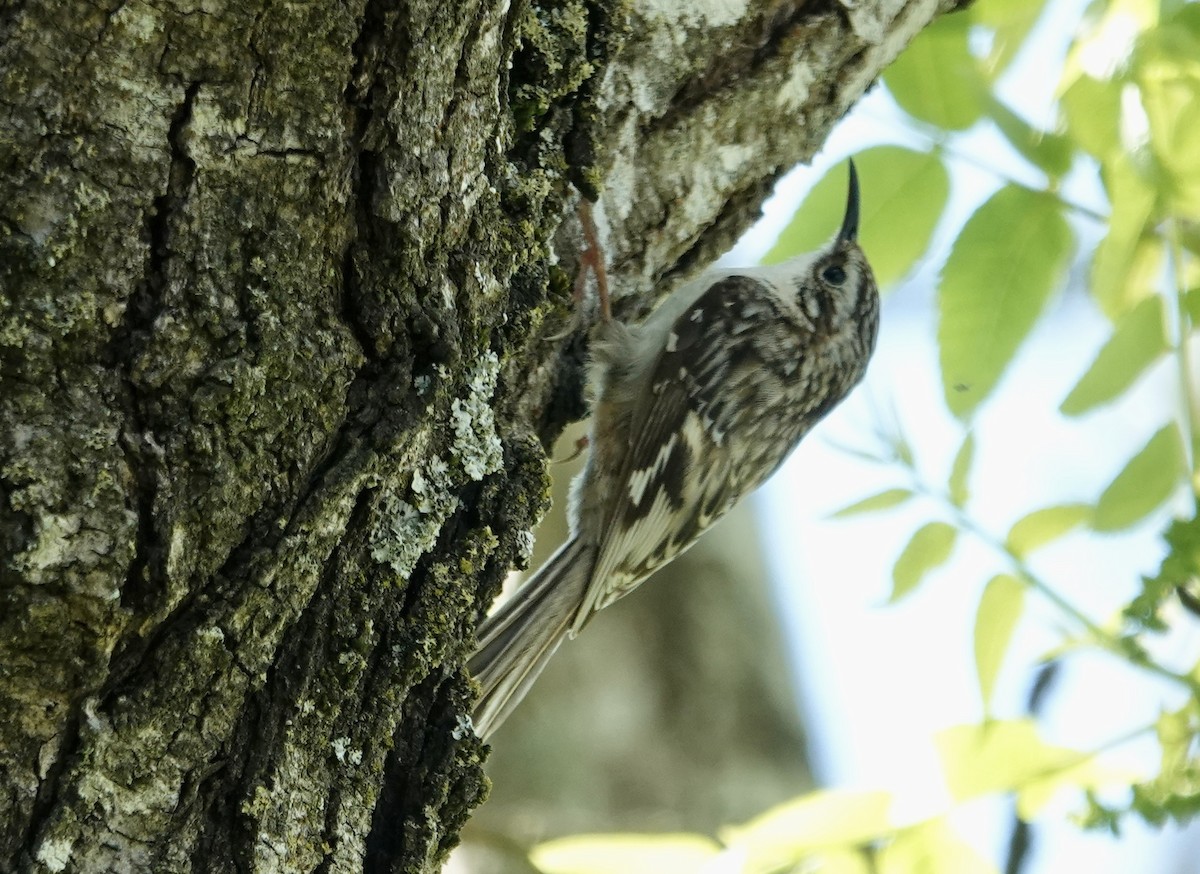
1183	332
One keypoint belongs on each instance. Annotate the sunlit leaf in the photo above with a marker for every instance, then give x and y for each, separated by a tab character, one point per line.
1174	792
841	862
997	756
931	847
1009	21
904	452
1106	38
1189	238
821	820
1147	480
1176	730
1167	69
1007	756
1040	527
1092	109
1048	151
999	609
1113	275
1139	339
1191	302
632	853
960	471
818	217
936	79
882	501
930	547
1091	773
996	282
894	181
1179	569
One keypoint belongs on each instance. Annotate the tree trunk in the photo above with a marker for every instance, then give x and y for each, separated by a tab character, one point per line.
282	284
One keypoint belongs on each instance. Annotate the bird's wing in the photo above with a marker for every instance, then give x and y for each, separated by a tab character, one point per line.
682	465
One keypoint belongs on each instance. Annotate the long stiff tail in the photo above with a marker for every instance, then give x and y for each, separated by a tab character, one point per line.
516	641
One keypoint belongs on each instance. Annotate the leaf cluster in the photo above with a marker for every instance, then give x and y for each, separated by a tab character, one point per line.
1127	100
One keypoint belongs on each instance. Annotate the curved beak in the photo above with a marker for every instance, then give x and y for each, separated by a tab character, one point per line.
849	231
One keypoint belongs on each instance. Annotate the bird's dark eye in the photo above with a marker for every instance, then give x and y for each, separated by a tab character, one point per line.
834	274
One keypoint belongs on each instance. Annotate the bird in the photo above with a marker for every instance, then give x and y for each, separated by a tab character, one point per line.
693	409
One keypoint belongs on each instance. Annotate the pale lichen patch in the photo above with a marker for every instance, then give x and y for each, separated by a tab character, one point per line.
411	529
52	541
695	13
872	21
55	853
712	182
795	91
476	444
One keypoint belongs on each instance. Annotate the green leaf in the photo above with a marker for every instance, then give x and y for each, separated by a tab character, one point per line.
997	756
1168	76
1174	792
996	282
1189	238
930	547
936	79
1106	34
1191	303
1139	339
1047	151
1148	479
1180	567
1176	730
1005	756
895	181
1040	527
817	218
636	854
930	847
883	501
961	471
1009	21
904	452
825	819
999	609
856	861
1118	276
1092	108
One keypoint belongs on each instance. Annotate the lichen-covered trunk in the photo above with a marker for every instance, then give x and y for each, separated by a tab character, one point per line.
283	290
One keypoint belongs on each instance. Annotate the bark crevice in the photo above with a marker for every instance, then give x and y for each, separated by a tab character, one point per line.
143	455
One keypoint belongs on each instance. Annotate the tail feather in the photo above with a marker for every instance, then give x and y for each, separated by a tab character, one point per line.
516	641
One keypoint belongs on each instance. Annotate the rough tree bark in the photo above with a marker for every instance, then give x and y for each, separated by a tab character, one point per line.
281	283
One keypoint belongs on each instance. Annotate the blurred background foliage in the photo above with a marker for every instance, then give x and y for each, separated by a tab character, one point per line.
679	759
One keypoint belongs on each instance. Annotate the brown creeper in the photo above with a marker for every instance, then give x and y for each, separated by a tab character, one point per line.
694	409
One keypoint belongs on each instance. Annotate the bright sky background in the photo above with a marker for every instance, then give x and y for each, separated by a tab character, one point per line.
879	681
